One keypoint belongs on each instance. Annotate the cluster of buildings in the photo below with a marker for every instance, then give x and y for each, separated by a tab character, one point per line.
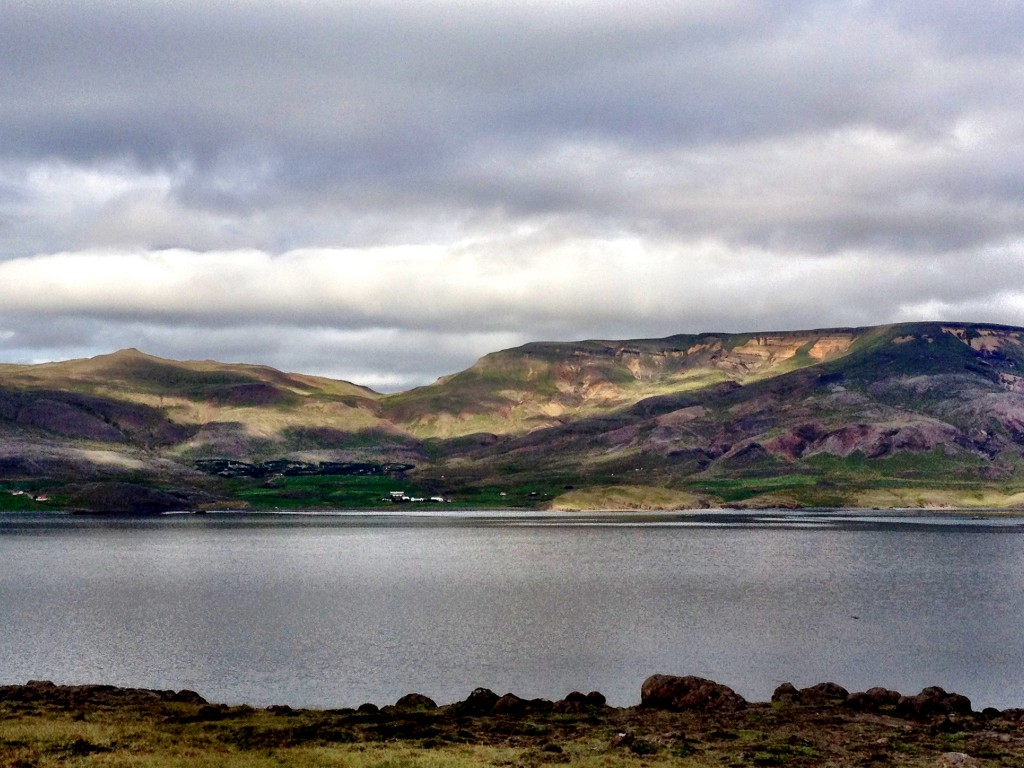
39	497
400	497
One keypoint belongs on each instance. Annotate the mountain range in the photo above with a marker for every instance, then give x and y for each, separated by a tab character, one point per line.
906	415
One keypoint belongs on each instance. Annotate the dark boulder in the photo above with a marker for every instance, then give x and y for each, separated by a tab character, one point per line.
679	693
510	704
1014	715
786	694
874	699
572	704
187	697
932	702
415	701
820	695
480	702
576	702
823	694
539	706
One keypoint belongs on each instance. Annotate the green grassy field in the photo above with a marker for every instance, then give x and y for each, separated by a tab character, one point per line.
372	492
907	480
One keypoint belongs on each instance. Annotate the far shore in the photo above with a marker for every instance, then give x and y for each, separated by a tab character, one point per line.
568	513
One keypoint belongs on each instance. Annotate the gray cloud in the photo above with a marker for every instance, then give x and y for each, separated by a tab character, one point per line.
468	174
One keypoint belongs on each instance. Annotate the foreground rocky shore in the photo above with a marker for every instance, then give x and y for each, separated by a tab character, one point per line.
687	721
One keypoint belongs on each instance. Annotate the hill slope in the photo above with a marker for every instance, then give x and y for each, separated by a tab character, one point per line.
903	415
545	384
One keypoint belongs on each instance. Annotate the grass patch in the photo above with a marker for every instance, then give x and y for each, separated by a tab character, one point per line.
619	497
372	492
310	491
936	465
741	488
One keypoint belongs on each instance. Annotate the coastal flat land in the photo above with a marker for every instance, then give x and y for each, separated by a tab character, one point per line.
43	725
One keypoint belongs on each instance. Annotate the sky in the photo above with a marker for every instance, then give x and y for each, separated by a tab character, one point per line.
385	190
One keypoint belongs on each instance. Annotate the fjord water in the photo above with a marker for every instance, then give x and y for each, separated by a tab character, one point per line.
335	610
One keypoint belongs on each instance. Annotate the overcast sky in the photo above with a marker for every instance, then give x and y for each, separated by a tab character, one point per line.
382	191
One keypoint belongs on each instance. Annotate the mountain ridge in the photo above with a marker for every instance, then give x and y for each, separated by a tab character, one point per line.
826	416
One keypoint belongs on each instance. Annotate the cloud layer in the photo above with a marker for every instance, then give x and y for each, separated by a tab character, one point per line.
382	191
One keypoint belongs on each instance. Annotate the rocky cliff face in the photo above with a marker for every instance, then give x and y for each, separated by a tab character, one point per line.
543	385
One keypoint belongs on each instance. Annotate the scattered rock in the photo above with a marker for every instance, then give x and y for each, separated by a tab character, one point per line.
758	735
672	692
957	760
624	739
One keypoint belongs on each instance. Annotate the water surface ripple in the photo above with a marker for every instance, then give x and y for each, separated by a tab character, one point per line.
332	610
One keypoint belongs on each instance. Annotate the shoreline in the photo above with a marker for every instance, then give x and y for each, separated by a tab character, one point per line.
567	514
687	721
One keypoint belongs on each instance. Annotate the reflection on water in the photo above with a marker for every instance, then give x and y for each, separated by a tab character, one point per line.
333	610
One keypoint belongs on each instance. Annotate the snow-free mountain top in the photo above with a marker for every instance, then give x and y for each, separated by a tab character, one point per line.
903	415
